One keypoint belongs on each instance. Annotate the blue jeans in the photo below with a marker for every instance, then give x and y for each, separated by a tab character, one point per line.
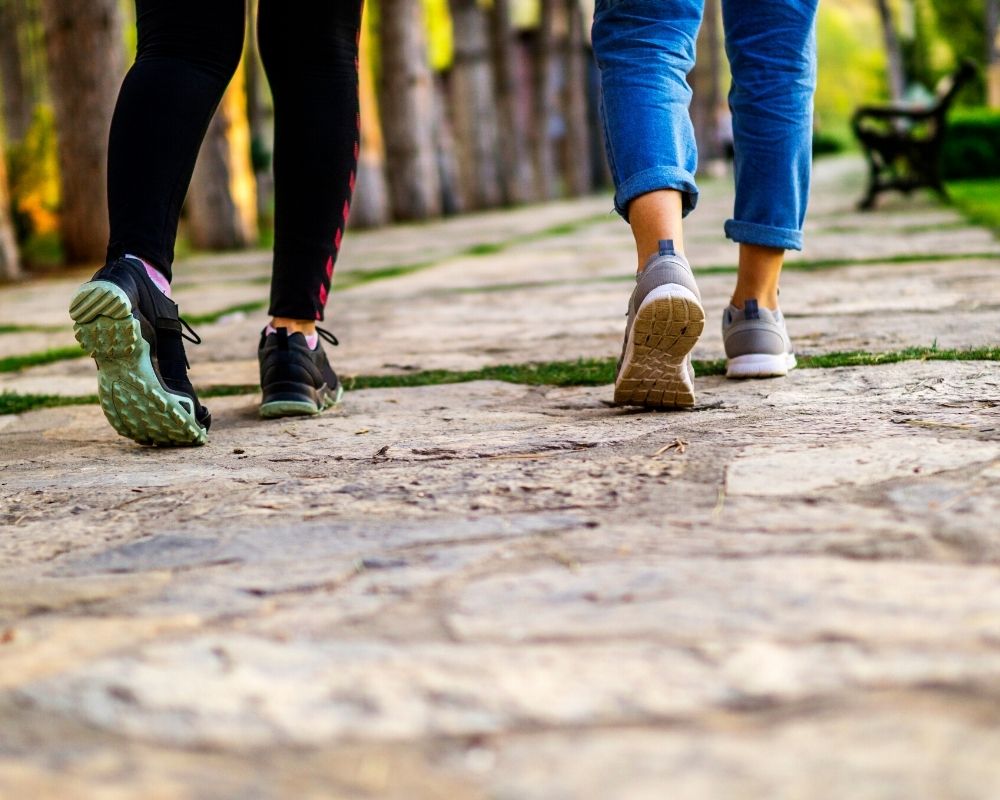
645	49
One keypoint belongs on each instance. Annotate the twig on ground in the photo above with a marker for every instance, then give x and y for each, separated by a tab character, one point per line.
680	445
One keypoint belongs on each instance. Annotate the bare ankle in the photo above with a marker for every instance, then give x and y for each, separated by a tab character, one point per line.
303	326
760	270
655	217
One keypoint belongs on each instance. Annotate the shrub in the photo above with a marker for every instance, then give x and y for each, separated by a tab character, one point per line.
33	170
972	144
826	143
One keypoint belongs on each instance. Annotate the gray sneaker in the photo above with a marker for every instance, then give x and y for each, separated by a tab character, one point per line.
757	343
665	319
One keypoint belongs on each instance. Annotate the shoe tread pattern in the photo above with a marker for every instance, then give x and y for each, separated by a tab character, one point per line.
134	402
655	371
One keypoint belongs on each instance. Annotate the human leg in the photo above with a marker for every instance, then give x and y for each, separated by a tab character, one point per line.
124	316
771	48
645	49
187	53
311	60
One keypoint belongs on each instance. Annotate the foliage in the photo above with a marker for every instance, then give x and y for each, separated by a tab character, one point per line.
827	144
33	171
972	144
439	34
960	28
851	63
978	200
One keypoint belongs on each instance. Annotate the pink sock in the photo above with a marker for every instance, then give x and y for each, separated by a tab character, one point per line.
154	274
312	339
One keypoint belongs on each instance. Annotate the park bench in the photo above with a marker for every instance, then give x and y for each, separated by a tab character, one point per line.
902	141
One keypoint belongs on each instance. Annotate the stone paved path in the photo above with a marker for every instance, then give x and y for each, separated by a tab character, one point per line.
520	592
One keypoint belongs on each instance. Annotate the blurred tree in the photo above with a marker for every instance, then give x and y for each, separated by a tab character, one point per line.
84	44
473	107
222	199
18	102
576	167
445	150
893	51
406	102
544	102
370	206
259	117
10	266
993	53
706	82
851	63
33	181
515	170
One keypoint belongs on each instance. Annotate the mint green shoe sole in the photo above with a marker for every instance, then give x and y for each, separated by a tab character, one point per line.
132	397
297	408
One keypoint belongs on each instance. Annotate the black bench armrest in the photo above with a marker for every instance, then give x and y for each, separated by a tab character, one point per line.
899	111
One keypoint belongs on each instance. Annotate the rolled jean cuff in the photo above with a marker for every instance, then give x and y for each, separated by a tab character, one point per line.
763	235
655	179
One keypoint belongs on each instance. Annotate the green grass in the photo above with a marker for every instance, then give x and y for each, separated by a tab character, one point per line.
32	328
214	316
582	372
14	363
978	200
817	264
803	265
860	358
14	403
349	280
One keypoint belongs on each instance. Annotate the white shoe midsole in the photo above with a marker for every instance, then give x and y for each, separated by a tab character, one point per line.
760	365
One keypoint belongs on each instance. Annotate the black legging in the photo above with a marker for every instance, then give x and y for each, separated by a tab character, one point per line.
187	53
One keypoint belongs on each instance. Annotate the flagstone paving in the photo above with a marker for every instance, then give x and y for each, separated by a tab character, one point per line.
521	592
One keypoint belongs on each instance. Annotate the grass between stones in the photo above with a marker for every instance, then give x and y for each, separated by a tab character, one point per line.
14	363
346	281
5	328
803	265
978	200
582	372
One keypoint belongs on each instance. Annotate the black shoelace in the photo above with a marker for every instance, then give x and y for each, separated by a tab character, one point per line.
325	335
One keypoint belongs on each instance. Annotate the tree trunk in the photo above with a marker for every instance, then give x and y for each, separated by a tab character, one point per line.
222	198
83	41
260	120
18	102
473	107
544	102
515	162
445	149
893	52
576	144
598	147
993	53
10	265
704	80
406	101
370	206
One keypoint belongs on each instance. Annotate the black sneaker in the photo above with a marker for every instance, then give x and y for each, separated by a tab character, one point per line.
295	380
134	333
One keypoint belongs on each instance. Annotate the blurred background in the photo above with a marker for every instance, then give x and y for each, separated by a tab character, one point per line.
466	105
